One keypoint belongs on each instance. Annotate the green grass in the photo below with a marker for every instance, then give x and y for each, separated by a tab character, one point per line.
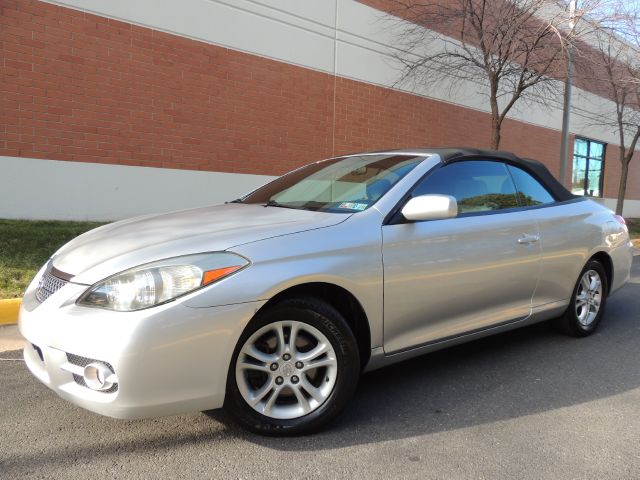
26	245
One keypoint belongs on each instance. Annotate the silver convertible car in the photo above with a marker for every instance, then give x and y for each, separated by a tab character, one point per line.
273	304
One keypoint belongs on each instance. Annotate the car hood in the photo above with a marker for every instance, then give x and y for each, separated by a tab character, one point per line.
119	246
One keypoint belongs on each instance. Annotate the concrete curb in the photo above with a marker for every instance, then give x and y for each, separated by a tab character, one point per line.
9	311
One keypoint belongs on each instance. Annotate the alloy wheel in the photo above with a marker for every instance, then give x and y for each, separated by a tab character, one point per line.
286	369
588	298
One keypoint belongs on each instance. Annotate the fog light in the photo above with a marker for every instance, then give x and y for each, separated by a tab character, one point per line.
99	376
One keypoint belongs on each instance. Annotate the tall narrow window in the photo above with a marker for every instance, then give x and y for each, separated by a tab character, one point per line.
588	167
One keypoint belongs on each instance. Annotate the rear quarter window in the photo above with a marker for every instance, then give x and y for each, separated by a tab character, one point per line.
530	191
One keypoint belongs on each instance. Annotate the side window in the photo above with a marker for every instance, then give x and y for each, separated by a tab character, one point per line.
530	191
477	185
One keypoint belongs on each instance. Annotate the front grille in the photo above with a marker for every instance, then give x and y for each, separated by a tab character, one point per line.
83	362
48	285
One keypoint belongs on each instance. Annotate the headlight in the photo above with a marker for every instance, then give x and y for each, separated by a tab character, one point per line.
160	282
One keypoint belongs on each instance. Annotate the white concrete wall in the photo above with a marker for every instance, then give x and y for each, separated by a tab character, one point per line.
49	189
631	208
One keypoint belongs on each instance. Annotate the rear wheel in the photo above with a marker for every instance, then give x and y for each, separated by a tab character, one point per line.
294	369
587	302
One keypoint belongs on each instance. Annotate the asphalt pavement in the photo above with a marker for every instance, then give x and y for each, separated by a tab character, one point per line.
530	403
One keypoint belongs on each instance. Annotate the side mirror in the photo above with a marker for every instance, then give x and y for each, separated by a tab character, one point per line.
430	207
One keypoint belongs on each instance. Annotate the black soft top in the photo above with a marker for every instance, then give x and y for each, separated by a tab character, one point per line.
533	167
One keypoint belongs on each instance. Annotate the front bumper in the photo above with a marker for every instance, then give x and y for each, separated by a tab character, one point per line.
167	359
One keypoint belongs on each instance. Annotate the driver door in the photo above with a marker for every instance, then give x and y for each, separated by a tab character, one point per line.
444	278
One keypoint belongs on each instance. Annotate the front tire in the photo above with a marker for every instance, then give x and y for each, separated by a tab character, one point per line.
588	301
294	369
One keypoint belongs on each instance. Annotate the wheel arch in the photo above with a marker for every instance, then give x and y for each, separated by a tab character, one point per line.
606	261
343	301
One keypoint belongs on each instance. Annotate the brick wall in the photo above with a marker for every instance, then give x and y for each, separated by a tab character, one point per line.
81	87
368	116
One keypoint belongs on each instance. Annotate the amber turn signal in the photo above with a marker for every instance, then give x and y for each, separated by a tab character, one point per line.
212	275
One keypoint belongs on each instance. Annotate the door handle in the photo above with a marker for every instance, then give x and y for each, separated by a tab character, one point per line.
526	239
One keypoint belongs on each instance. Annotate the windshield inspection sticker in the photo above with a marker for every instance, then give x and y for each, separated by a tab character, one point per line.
353	206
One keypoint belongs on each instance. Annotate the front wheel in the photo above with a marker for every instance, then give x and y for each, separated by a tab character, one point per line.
587	302
294	369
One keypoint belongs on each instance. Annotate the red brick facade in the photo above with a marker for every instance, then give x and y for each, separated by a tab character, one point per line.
81	87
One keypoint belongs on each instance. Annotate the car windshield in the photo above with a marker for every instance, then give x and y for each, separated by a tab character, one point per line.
344	185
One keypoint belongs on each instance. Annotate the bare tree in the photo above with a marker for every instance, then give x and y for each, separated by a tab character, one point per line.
618	54
514	49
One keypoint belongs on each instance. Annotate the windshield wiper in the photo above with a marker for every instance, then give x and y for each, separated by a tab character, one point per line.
273	203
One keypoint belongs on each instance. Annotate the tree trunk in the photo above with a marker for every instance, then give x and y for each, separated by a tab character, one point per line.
622	189
495	134
495	115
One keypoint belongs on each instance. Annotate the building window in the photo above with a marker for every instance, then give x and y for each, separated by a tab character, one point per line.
588	167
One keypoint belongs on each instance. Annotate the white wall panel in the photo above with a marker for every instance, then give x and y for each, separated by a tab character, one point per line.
631	208
49	189
318	11
56	190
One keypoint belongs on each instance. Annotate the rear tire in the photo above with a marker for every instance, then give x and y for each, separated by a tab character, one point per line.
588	301
294	369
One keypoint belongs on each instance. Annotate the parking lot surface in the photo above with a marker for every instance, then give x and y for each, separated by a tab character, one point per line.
531	403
